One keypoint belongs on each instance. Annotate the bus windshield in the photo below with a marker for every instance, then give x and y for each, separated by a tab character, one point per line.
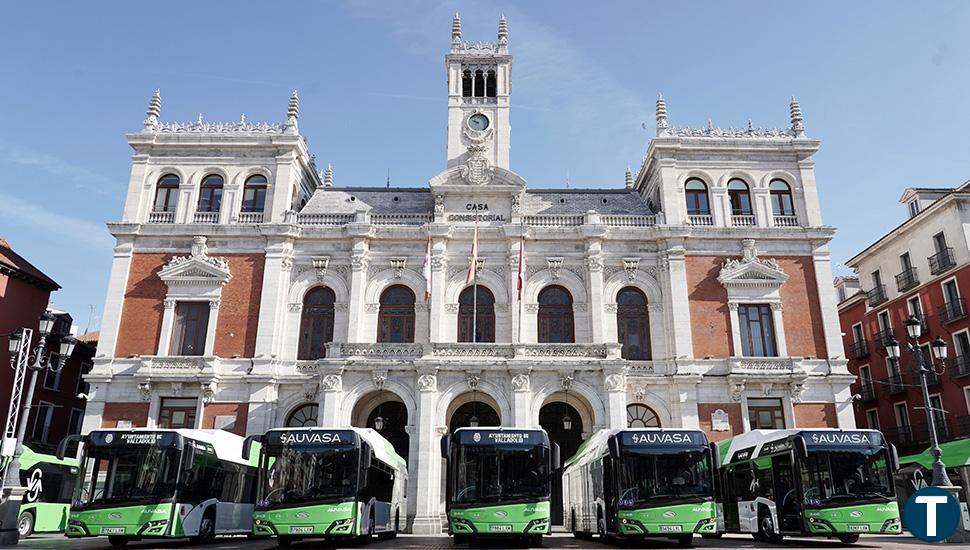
111	476
304	475
846	477
663	477
485	473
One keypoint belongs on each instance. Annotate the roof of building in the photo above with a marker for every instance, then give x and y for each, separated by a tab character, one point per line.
89	337
415	200
14	265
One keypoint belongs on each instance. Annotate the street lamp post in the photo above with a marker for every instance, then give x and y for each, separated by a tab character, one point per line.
938	346
40	359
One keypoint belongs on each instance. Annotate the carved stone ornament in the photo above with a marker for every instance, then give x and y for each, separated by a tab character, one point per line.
639	393
168	303
145	390
310	391
320	265
208	391
372	307
451	308
609	308
566	381
331	382
359	262
520	382
476	170
398	265
428	382
516	203
631	265
554	264
380	378
766	389
294	307
614	382
177	389
595	263
473	381
737	392
198	268
795	390
532	308
750	270
439	203
286	265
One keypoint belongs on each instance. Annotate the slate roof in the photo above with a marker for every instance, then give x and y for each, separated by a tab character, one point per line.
415	200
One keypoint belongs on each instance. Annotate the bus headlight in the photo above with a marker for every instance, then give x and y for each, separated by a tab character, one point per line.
459	525
540	524
706	525
264	526
891	525
156	527
341	525
75	527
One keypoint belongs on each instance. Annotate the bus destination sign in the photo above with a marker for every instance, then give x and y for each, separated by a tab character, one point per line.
665	438
499	437
842	438
311	437
112	438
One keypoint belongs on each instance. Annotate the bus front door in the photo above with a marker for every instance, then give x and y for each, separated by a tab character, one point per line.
786	493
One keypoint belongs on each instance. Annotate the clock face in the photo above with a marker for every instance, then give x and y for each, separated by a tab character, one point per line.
478	122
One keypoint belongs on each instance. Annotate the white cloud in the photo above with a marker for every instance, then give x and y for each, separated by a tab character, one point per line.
81	176
16	211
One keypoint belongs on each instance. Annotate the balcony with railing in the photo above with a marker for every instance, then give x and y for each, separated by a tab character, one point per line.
700	219
876	296
250	217
325	219
941	261
743	220
206	217
629	220
962	427
786	221
859	349
561	220
895	385
901	436
401	219
883	337
932	379
161	217
952	311
959	366
467	351
907	279
867	392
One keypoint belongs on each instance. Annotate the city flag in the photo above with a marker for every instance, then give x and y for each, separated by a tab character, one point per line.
473	265
427	270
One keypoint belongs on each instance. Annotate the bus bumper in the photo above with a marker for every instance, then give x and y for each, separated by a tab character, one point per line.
633	527
536	526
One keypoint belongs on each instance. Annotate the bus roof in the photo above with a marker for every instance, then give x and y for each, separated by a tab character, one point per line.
383	449
955	454
31	457
597	445
756	439
227	445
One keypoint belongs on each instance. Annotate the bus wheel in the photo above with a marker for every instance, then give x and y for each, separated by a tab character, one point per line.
766	527
849	539
25	524
685	540
117	541
207	528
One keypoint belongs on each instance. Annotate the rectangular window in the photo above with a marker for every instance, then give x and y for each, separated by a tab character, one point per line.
939	242
176	412
939	417
757	330
77	419
865	376
254	199
872	417
913	208
52	379
914	306
961	344
82	386
905	262
876	279
902	415
884	323
892	367
43	415
857	334
950	291
191	324
766	414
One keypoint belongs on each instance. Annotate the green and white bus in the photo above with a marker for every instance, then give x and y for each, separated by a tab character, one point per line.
50	484
328	483
142	483
498	482
641	482
823	482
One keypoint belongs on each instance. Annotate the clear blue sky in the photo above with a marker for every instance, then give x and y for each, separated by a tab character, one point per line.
883	85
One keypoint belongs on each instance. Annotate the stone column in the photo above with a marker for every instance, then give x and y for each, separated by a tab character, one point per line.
117	284
594	270
439	283
140	196
677	295
168	319
277	265
827	302
332	396
521	399
687	394
358	284
210	331
263	399
427	461
614	382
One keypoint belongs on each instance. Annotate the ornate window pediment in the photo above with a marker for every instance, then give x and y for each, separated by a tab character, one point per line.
750	270
197	269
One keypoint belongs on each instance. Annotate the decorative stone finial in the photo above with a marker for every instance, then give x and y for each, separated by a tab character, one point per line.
628	179
328	176
503	31
456	30
293	113
797	123
154	110
661	115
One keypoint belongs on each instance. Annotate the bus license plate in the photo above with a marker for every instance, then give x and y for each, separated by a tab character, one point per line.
301	529
671	528
498	528
858	528
112	530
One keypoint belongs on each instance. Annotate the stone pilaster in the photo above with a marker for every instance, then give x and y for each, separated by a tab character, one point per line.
427	461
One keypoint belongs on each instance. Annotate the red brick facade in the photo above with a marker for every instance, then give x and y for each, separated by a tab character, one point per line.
239	410
815	415
141	317
137	413
704	411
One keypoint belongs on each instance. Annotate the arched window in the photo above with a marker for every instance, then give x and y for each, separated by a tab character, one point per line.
485	320
166	193
555	315
254	194
303	417
781	201
697	201
641	416
316	324
466	83
395	323
490	84
740	198
210	195
479	83
633	324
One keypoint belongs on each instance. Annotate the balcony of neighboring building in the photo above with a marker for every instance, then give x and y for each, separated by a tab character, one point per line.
959	366
952	310
942	261
859	349
883	338
907	280
876	295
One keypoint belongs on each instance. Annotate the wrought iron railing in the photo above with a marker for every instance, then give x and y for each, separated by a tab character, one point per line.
895	384
952	310
960	366
907	279
941	261
883	337
858	349
876	296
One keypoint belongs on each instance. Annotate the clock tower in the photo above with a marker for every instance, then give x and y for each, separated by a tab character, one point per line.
479	86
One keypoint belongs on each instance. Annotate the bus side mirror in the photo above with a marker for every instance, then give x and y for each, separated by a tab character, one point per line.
62	446
556	458
893	458
248	444
801	449
613	444
715	462
188	455
445	446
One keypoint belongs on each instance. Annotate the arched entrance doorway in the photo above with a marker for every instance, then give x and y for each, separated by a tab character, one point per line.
472	414
384	412
564	424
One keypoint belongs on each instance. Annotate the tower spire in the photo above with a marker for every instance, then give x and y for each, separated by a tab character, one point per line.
456	30
154	110
661	115
328	176
293	113
797	123
503	32
628	179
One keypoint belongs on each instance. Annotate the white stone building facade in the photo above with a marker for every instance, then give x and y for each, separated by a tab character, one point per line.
679	299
